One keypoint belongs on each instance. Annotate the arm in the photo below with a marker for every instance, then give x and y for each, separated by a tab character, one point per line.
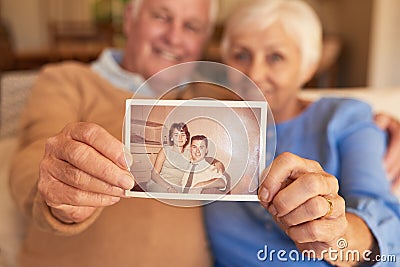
66	193
212	183
219	166
155	173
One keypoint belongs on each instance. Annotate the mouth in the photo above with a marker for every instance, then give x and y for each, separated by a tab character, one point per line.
168	55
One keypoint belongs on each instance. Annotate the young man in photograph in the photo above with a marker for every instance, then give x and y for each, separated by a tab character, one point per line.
202	175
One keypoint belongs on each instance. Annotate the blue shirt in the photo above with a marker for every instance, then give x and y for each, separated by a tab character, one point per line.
341	136
108	66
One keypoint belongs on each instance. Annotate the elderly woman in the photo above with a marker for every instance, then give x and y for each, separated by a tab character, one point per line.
326	193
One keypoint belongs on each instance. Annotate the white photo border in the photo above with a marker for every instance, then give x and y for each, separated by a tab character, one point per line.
262	105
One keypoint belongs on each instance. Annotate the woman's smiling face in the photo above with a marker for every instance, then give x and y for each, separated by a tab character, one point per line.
272	59
179	138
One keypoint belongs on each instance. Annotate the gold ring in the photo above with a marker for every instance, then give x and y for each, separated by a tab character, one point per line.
330	210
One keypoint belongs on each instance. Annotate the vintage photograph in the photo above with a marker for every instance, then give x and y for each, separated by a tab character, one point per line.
195	149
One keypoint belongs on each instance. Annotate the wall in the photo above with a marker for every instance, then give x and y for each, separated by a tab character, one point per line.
354	19
26	21
385	42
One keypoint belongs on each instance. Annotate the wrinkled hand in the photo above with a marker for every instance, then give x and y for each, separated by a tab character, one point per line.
83	168
392	157
295	192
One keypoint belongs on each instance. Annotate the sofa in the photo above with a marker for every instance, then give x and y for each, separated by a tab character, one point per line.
14	91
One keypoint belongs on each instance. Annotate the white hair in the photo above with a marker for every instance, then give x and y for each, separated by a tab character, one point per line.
213	13
297	17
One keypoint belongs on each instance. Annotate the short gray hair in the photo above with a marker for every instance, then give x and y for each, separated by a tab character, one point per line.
297	17
214	7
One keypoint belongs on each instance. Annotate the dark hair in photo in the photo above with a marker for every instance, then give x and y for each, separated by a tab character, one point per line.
181	127
201	138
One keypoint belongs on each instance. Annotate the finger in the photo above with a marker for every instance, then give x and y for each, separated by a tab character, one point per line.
382	120
72	214
89	160
285	166
99	139
77	178
322	230
392	126
392	156
314	208
55	193
306	187
396	187
128	159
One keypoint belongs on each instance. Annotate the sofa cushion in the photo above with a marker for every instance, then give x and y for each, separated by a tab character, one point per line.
382	100
14	86
11	221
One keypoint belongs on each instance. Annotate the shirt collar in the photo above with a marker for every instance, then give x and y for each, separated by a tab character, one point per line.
201	165
108	66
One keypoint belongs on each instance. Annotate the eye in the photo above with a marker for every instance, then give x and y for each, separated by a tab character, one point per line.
193	27
160	16
275	57
241	56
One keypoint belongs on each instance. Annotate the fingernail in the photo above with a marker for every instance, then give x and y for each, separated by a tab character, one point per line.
272	210
126	182
115	199
122	162
264	194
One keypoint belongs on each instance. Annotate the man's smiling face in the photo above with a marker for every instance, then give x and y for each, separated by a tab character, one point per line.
165	33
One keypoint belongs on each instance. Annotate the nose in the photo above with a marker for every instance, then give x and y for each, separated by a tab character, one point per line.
174	34
257	70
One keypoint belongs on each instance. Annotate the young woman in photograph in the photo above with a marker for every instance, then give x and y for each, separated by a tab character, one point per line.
172	161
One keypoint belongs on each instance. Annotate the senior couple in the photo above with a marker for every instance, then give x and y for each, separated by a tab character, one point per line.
327	182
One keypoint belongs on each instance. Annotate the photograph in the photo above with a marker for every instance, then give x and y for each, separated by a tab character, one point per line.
195	149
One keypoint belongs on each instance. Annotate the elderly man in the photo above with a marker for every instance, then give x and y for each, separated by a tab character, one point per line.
71	129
